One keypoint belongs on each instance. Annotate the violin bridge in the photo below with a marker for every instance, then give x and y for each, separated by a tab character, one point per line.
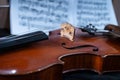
67	31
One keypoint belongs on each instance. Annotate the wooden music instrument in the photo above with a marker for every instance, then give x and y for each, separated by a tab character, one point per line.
48	59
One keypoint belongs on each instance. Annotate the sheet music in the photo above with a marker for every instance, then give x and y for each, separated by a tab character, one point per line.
48	15
96	12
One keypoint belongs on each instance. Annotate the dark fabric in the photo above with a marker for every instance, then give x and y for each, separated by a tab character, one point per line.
90	75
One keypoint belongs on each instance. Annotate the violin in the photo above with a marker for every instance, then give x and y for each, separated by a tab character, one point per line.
50	59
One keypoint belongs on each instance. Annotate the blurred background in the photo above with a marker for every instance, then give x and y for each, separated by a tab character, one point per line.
4	13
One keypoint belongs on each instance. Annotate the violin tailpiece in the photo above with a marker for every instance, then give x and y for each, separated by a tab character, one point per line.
67	31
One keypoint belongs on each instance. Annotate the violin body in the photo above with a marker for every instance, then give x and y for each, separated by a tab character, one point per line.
48	59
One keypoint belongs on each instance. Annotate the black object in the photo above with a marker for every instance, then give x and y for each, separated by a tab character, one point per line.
13	40
91	75
90	29
4	32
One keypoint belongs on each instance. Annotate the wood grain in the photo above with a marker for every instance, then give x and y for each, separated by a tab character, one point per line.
33	58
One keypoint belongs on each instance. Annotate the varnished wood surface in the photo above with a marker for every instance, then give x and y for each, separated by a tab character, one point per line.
47	60
41	55
54	72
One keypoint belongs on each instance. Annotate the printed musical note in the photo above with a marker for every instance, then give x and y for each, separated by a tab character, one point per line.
48	15
93	11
